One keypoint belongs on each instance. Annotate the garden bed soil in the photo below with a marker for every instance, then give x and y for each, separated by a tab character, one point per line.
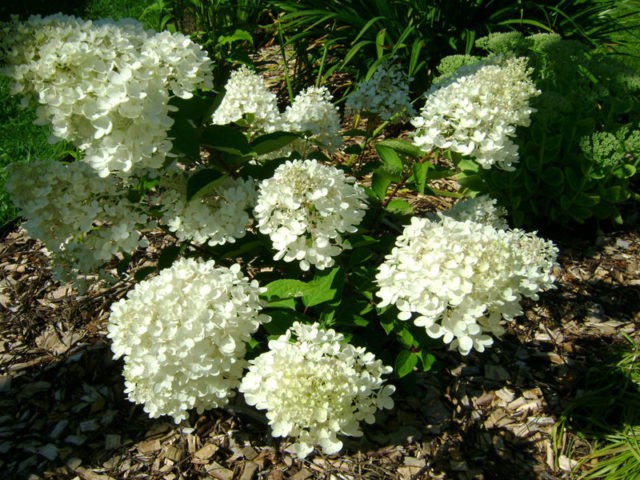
491	415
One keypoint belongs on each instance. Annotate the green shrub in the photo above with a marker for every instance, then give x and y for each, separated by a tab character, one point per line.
583	146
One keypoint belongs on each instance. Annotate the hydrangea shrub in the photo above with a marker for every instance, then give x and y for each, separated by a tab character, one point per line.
280	254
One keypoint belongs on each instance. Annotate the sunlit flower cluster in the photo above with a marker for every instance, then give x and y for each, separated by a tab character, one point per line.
305	208
312	111
216	217
460	279
385	94
314	387
182	335
476	112
82	218
104	86
247	97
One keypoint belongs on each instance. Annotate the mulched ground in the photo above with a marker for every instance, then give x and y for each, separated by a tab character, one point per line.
63	413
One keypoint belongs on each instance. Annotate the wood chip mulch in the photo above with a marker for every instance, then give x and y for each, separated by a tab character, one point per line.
63	413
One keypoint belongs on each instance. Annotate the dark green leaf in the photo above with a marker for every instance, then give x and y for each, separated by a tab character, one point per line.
167	256
202	182
400	207
226	138
405	363
272	142
403	147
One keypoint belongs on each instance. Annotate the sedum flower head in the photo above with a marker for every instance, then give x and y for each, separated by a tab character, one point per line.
385	94
460	279
305	208
104	86
247	95
315	387
84	220
182	335
476	112
215	218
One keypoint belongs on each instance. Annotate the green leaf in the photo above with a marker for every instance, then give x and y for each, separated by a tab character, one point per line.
380	181
185	138
427	360
420	171
272	142
406	338
226	138
391	161
405	363
285	288
237	35
403	147
399	207
324	287
203	182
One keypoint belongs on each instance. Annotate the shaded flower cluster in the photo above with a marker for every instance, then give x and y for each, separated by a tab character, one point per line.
215	218
460	279
314	387
248	99
385	94
84	220
104	86
476	112
305	207
480	209
182	335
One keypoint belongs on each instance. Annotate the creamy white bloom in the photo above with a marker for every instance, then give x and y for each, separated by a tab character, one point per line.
476	112
183	334
216	218
385	94
305	208
480	209
247	96
314	387
84	220
313	111
460	279
104	86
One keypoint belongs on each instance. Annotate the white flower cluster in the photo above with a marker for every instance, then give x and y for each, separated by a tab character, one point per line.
305	207
480	209
316	387
385	94
105	86
218	217
248	97
182	335
80	217
476	113
462	278
312	111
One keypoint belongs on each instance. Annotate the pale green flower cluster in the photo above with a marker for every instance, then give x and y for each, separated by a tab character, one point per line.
476	112
183	336
314	387
84	220
305	207
217	217
480	209
460	279
104	86
248	98
385	94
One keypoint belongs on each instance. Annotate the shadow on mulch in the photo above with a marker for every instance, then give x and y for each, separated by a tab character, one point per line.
70	408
